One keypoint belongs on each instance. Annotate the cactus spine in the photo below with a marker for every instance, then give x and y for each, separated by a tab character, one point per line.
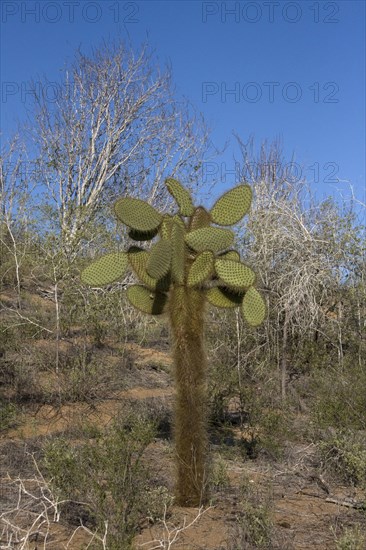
192	264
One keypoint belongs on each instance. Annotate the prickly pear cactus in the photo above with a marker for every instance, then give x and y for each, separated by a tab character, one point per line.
191	263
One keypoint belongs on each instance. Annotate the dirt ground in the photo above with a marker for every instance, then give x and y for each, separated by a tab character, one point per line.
308	511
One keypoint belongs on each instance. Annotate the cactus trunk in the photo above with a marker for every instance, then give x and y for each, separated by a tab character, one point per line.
187	322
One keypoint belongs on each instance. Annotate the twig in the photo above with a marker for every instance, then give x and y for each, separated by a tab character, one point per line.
348	504
42	508
171	533
12	310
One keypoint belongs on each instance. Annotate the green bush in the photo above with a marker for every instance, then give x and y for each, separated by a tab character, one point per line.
340	397
263	419
222	385
267	424
219	477
351	539
345	454
8	415
254	525
84	378
108	474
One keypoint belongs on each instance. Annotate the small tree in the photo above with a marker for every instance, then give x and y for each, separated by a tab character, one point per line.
114	126
190	265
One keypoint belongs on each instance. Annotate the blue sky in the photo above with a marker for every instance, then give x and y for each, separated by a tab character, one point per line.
265	68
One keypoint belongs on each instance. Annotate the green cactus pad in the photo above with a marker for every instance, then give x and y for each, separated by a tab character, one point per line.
201	268
253	308
181	196
232	206
177	219
105	270
223	297
230	255
137	214
158	264
234	274
136	235
201	218
210	238
138	260
145	300
178	253
165	229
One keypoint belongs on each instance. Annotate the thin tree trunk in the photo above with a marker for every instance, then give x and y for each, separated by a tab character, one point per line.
58	327
340	334
17	266
284	358
187	321
360	331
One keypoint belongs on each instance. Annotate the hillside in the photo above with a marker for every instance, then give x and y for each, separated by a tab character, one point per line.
270	487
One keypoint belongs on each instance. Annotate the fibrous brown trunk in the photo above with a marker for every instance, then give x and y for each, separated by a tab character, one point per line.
187	322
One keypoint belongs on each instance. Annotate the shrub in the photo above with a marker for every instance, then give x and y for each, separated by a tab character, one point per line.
345	454
222	385
84	378
351	539
254	526
267	424
219	478
8	415
108	474
340	398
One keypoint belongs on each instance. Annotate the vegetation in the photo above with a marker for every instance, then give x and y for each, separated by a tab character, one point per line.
285	401
106	474
351	539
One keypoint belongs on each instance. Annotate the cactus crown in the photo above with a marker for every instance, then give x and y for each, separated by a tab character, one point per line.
191	252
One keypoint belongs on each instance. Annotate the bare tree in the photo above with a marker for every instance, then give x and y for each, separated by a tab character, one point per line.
113	127
294	259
